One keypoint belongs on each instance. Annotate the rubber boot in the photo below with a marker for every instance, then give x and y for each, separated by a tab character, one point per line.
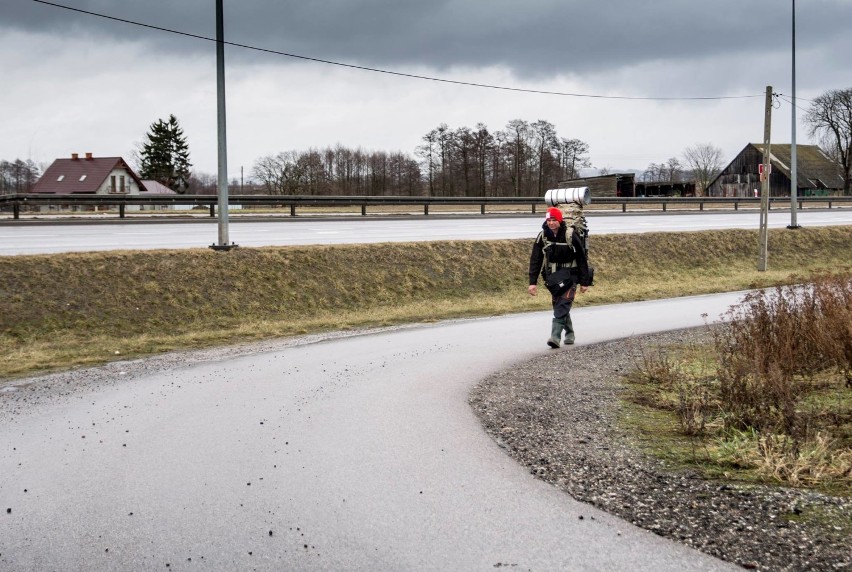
555	333
569	331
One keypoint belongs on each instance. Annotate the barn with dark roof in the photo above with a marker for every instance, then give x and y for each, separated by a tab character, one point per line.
816	173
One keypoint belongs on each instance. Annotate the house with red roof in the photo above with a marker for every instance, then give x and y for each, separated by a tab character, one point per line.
89	175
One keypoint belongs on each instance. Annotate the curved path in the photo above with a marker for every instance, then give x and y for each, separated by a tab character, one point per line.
352	453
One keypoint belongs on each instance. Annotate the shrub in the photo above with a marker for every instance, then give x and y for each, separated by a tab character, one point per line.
774	342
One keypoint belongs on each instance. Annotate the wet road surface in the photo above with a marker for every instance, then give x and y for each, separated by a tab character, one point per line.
46	238
356	453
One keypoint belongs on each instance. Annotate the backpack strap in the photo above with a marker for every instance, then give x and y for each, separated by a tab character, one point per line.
554	266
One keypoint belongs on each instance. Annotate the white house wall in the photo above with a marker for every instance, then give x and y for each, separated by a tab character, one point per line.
130	186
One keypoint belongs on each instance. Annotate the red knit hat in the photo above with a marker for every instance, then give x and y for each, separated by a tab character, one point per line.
553	212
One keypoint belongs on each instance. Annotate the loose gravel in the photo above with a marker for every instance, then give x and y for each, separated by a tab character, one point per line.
557	415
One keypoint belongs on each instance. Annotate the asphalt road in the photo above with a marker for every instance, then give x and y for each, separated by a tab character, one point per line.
350	453
45	238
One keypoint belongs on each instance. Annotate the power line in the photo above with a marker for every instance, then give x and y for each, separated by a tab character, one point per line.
390	72
797	98
790	101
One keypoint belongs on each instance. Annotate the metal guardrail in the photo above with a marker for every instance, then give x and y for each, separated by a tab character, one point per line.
16	201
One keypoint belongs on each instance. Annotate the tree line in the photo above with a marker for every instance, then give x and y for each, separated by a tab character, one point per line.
338	171
524	159
18	176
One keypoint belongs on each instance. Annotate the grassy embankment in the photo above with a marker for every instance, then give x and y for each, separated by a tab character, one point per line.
59	311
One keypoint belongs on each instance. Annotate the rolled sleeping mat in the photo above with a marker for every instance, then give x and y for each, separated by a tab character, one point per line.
579	195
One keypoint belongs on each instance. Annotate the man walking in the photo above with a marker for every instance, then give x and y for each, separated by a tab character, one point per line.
559	257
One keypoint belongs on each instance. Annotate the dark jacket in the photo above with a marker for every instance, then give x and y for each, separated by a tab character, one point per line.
562	254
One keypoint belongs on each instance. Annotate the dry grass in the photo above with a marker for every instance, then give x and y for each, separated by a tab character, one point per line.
64	310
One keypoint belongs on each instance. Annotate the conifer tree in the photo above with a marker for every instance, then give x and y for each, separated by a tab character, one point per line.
165	155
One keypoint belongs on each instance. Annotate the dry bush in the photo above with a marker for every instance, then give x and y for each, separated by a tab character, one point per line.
694	407
835	337
675	388
655	368
773	404
774	342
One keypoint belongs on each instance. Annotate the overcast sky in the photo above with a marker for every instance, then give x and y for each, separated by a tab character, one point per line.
75	82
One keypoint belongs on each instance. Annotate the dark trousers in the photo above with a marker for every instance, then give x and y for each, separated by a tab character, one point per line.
562	304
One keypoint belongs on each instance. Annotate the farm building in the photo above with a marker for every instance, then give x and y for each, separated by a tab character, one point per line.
665	189
816	173
615	185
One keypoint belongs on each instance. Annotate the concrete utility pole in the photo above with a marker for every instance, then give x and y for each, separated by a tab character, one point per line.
794	176
763	241
222	183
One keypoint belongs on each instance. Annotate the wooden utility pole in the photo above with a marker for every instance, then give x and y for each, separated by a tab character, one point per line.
764	187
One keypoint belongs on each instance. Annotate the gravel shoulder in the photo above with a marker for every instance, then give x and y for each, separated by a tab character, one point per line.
557	416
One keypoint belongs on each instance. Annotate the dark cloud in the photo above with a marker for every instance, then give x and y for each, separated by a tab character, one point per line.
535	38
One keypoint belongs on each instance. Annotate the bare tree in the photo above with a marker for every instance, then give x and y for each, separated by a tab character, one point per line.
673	170
573	157
499	165
705	162
267	170
830	118
464	150
546	149
202	183
518	132
426	152
316	176
18	176
404	175
281	174
135	158
445	147
483	143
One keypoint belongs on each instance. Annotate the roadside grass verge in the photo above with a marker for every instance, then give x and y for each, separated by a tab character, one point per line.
767	400
66	310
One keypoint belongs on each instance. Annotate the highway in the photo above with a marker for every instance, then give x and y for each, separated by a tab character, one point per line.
48	238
